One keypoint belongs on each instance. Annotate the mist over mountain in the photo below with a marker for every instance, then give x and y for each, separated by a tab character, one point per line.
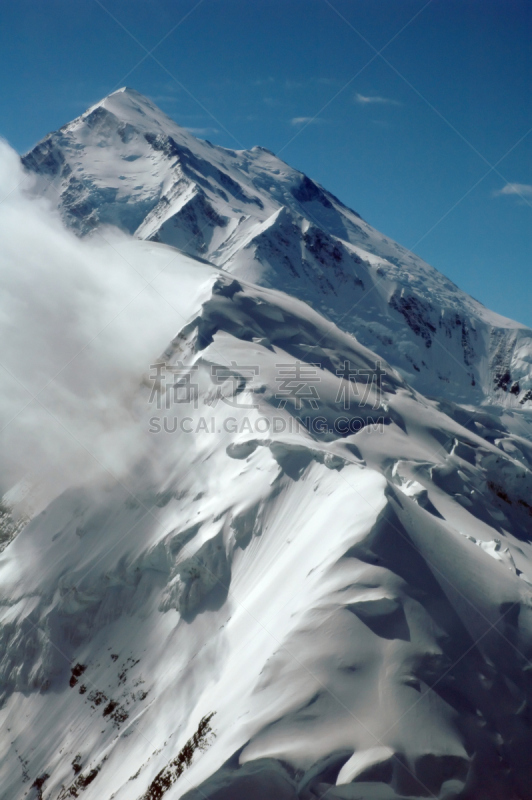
266	529
125	163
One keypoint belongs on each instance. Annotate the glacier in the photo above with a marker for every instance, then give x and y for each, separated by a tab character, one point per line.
265	603
125	163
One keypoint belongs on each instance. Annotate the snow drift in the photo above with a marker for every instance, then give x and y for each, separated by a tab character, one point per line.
81	322
299	576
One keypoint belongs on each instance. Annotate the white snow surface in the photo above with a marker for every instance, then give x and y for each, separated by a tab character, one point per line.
124	162
352	606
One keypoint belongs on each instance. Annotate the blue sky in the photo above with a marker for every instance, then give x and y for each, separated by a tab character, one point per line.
429	140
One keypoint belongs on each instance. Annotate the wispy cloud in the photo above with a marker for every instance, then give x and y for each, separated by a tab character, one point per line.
91	340
519	189
306	121
164	98
202	131
290	84
263	81
365	100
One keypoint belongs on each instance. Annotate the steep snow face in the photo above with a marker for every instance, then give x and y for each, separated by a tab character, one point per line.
315	581
292	596
126	163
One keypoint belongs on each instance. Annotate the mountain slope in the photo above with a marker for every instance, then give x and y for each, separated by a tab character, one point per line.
126	163
315	579
349	613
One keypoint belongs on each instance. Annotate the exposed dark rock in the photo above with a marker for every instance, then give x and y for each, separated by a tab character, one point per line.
416	314
38	784
306	191
77	670
502	380
175	768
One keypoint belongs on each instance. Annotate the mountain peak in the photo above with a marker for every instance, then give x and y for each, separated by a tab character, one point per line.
126	90
382	534
131	106
127	93
124	162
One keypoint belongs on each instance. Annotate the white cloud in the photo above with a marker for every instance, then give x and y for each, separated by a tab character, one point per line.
202	131
80	326
290	84
164	98
306	121
263	81
520	189
375	99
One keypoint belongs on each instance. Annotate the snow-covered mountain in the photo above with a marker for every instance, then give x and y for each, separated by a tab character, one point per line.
316	580
125	163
